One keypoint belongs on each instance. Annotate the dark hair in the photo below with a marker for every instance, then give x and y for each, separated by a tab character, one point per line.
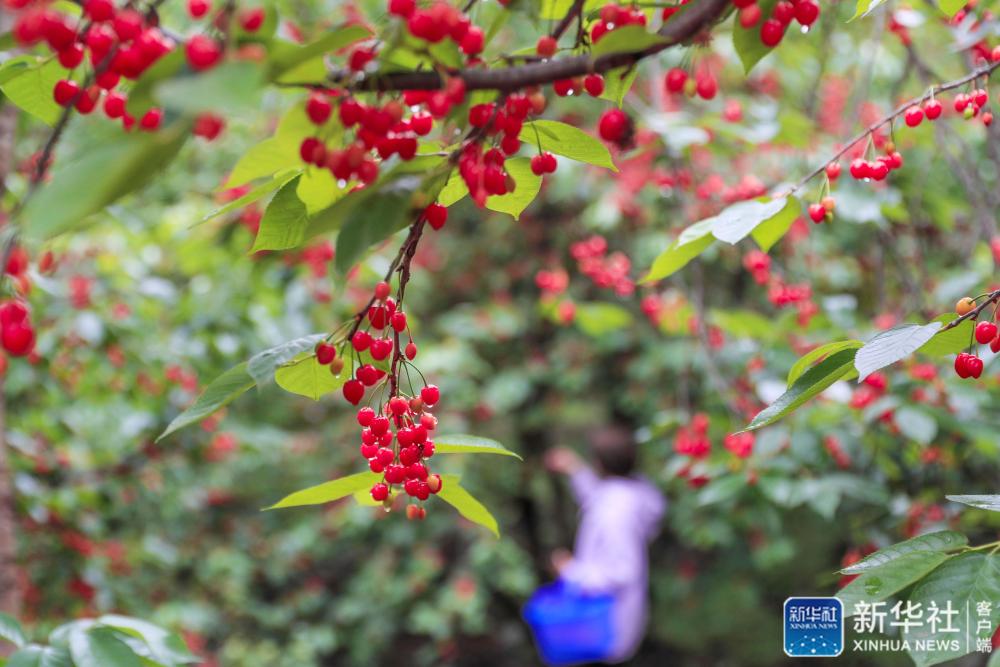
615	450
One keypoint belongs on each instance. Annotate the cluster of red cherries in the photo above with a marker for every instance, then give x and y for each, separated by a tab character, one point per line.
967	364
438	22
772	31
606	271
17	335
703	84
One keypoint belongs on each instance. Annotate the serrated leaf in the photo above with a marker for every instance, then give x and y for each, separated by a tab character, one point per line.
305	376
527	187
40	656
947	342
747	40
99	647
600	319
982	502
879	583
692	242
222	391
470	444
945	540
329	491
283	225
812	382
568	141
11	630
769	232
959	584
736	222
265	159
285	55
99	176
163	646
453	191
318	189
367	225
626	39
31	90
618	82
455	495
811	357
259	192
261	366
890	346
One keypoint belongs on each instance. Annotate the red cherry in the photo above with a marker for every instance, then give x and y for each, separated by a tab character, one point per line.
995	345
833	171
415	512
368	375
382	290
706	85
416	471
108	80
430	394
71	56
987	119
18	339
410	350
614	125
398	321
878	170
749	16
806	12
546	46
436	215
859	169
395	474
399	406
817	212
99	10
380	492
974	366
913	116
783	12
88	101
675	80
402	8
13	312
361	340
985	332
252	19
385	456
377	317
380	348
365	417
318	108
932	109
961	102
151	120
771	32
594	84
434	483
409	455
473	41
64	91
198	8
325	353
538	165
127	24
202	52
354	391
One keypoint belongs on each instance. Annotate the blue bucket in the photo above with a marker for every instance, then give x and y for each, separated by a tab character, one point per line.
570	626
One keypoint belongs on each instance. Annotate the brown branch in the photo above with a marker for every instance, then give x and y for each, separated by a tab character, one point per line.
974	313
681	28
567	20
985	70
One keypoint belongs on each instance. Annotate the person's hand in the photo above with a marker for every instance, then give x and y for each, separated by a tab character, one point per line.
563	460
559	559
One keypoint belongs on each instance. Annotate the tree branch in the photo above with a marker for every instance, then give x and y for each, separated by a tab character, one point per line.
682	27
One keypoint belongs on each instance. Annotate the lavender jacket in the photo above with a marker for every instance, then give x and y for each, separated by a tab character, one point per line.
620	516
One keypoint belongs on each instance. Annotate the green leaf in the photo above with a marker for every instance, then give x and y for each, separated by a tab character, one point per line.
600	319
453	191
162	646
455	495
983	502
618	82
368	224
769	232
236	86
626	39
553	9
890	346
284	223
811	383
528	185
265	159
11	630
813	356
945	540
568	141
221	392
285	56
470	444
961	582
31	90
318	189
99	647
951	7
329	491
744	324
866	7
736	222
692	242
259	192
262	365
140	96
40	656
947	342
879	583
305	376
747	40
100	176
